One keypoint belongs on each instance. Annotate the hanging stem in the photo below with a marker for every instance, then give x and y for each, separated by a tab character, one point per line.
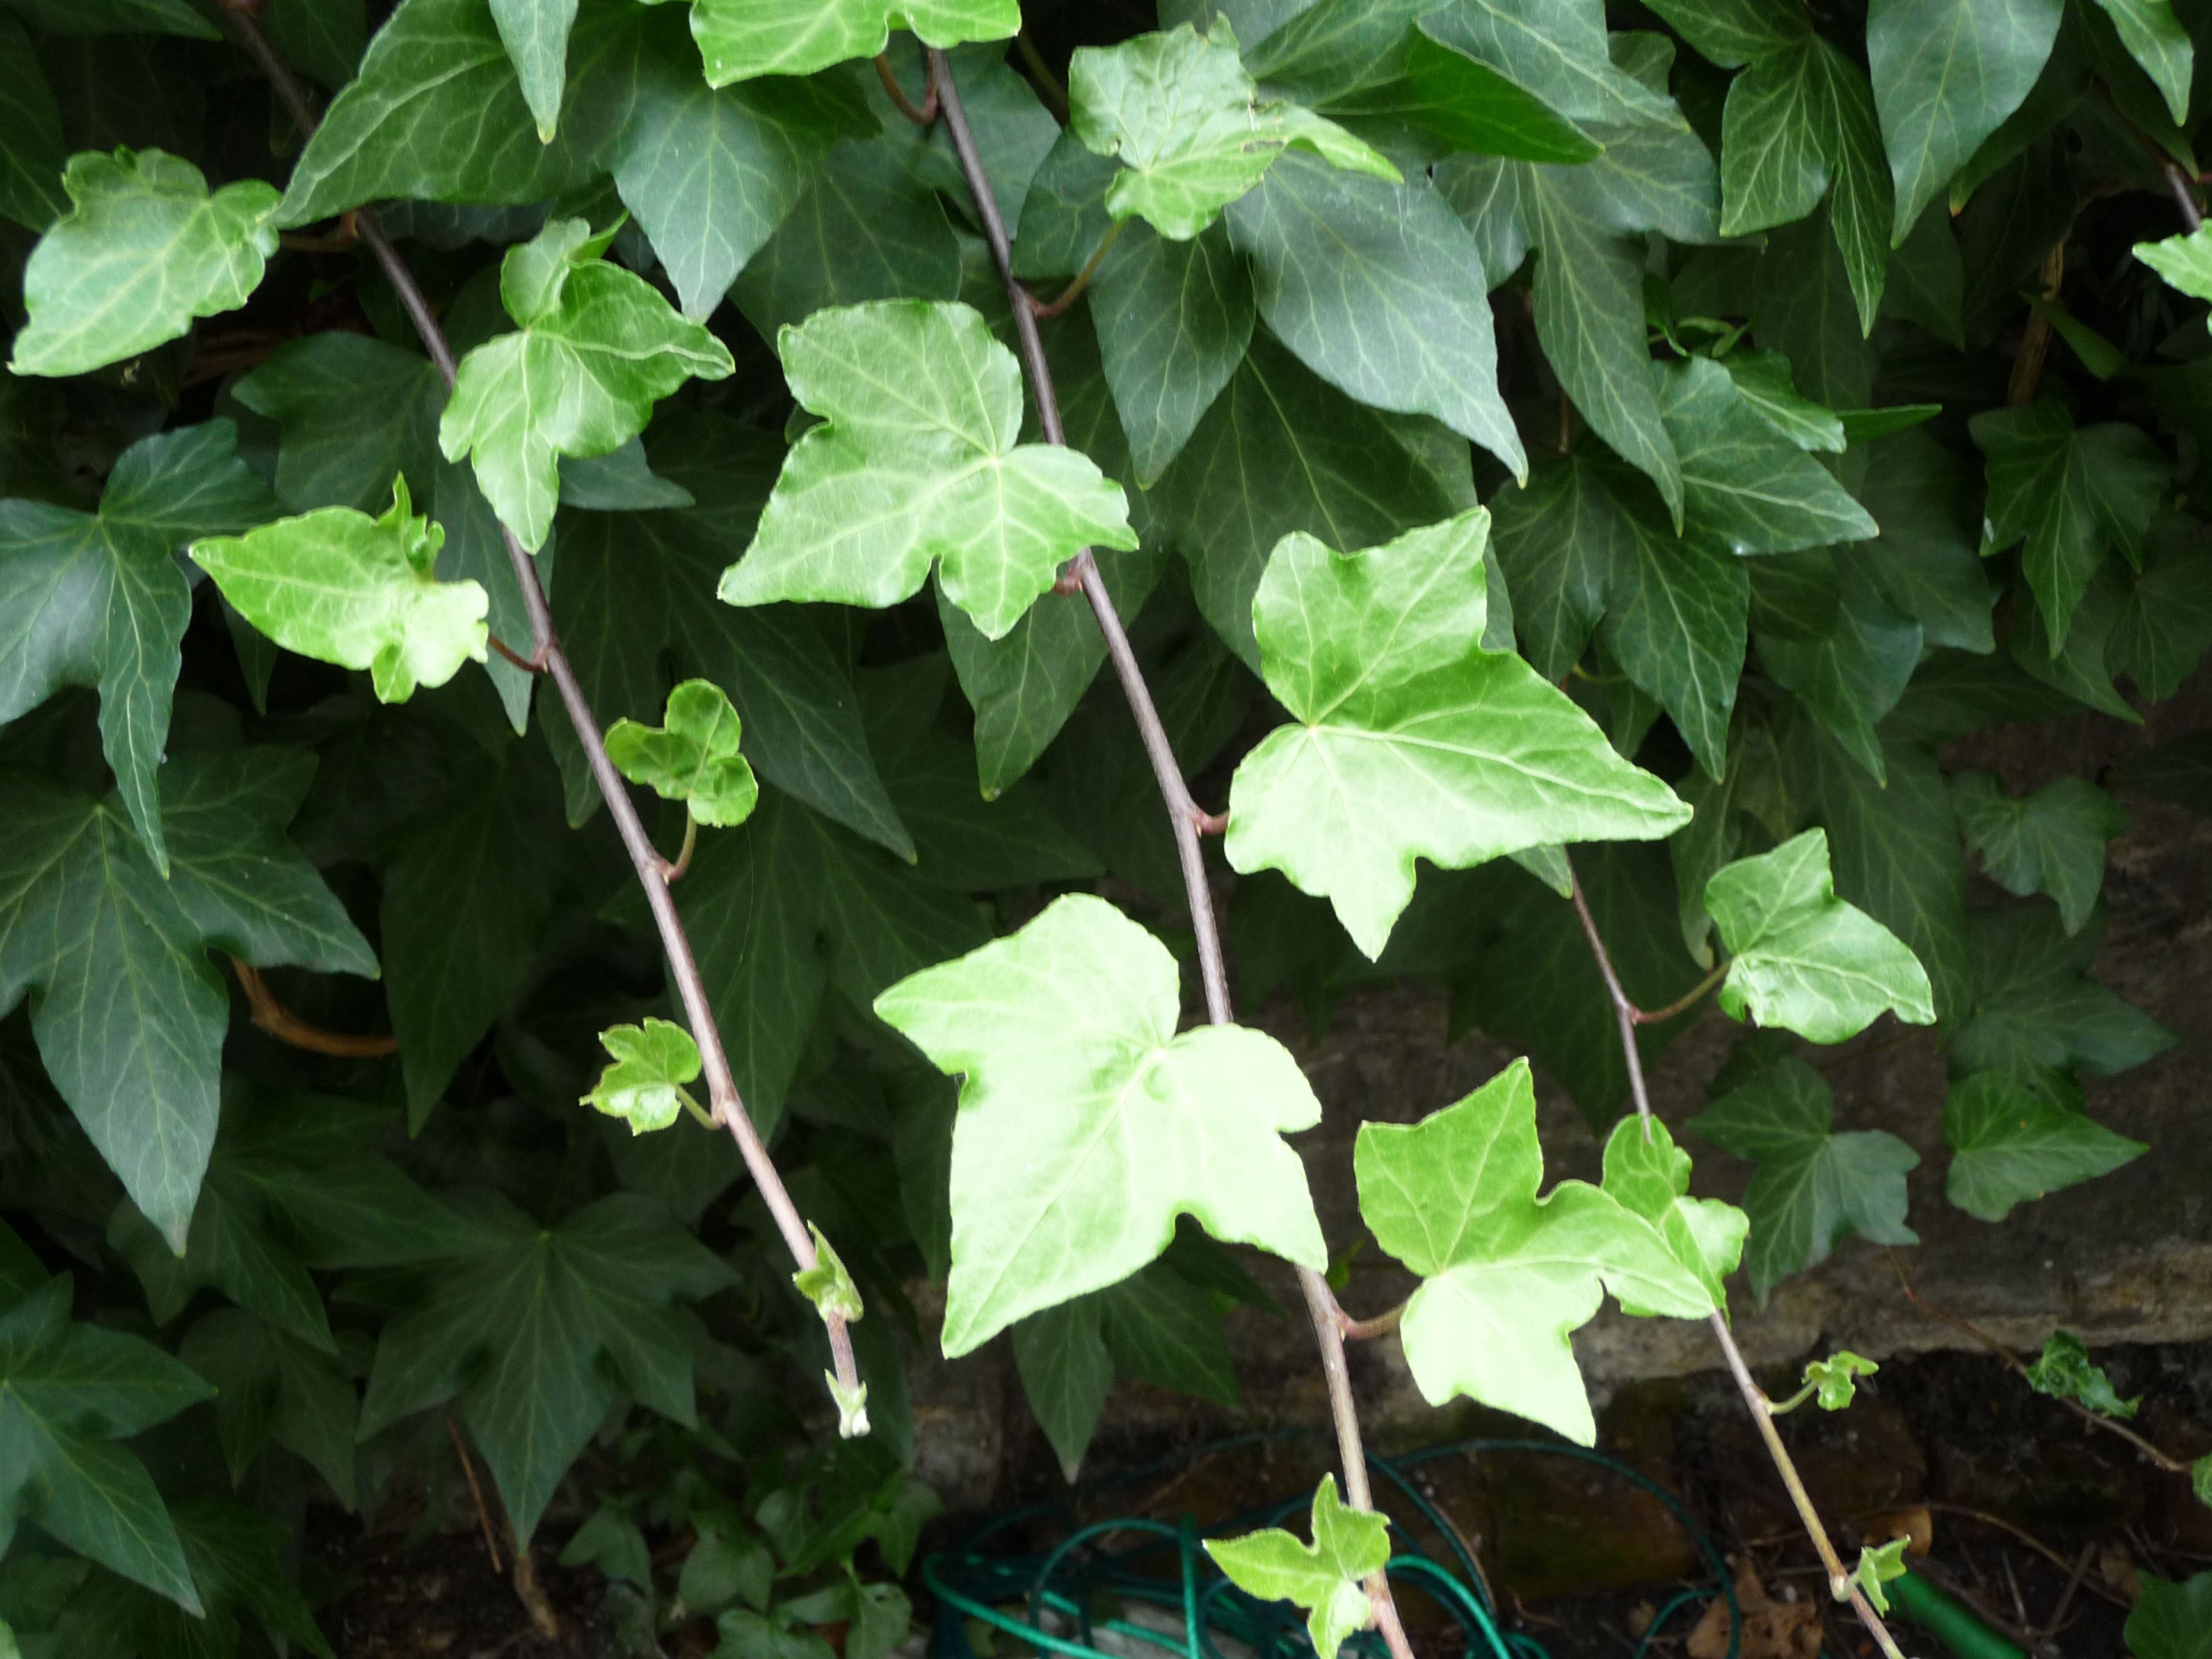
1073	291
545	649
1185	816
923	115
286	1027
1754	1398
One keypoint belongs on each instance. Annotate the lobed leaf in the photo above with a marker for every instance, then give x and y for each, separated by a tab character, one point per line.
644	1086
692	758
1324	1578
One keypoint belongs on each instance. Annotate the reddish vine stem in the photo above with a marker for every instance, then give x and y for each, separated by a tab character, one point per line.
653	871
1184	814
1754	1398
922	115
286	1027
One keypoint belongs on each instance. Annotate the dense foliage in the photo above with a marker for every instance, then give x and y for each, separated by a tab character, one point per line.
1566	473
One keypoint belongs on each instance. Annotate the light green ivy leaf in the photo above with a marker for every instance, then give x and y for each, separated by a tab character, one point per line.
1650	1176
918	460
692	758
342	588
2011	1145
2184	261
741	40
1324	1576
1507	1276
1812	1185
143	250
644	1086
1802	959
1188	122
597	347
1410	740
1878	1564
1834	1380
1086	1124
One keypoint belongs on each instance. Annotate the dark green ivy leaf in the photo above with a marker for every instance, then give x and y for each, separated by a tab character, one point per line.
2051	841
272	1385
2037	1014
2011	1145
99	599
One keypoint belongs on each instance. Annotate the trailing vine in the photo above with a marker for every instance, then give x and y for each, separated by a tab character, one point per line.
1560	478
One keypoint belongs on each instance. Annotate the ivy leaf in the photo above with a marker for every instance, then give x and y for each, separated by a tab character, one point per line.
342	588
644	1086
1505	1276
597	348
2172	1621
1801	958
1763	381
1946	73
1650	1175
692	758
743	39
917	460
32	151
2184	261
2069	493
67	1393
356	412
1851	673
1878	1564
533	1326
1587	551
2064	1371
270	1385
1365	280
1835	1379
2012	1145
1558	49
536	36
2155	39
1065	1032
143	250
1812	1185
827	1284
2036	1010
1324	1578
1743	480
1926	564
1192	131
1410	740
97	598
1060	1353
2050	841
1280	450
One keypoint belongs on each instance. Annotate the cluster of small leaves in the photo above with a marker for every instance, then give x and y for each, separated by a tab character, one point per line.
1547	461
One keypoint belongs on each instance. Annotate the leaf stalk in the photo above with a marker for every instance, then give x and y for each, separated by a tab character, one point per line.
1184	814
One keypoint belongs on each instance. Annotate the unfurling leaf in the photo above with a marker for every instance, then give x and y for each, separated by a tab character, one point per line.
1801	958
144	251
694	758
1412	741
1650	1176
918	460
342	588
826	1284
2012	1145
1835	1379
1323	1576
1878	1564
1506	1276
2064	1371
852	1407
1086	1124
742	39
597	346
1813	1185
644	1086
1190	127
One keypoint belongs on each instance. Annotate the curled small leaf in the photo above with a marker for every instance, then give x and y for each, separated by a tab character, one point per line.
694	758
852	1407
644	1087
2065	1372
827	1284
1834	1380
1878	1564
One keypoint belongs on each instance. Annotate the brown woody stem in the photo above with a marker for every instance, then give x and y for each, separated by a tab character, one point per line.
545	648
1184	813
922	114
286	1027
1754	1398
1068	295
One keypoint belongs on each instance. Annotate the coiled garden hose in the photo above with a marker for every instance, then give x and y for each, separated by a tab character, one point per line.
1051	1604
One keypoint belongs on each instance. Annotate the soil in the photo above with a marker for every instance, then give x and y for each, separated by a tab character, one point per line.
2018	1498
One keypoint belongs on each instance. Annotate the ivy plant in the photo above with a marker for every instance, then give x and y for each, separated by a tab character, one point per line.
651	656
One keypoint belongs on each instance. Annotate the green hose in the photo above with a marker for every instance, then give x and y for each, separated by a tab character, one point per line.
1950	1624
